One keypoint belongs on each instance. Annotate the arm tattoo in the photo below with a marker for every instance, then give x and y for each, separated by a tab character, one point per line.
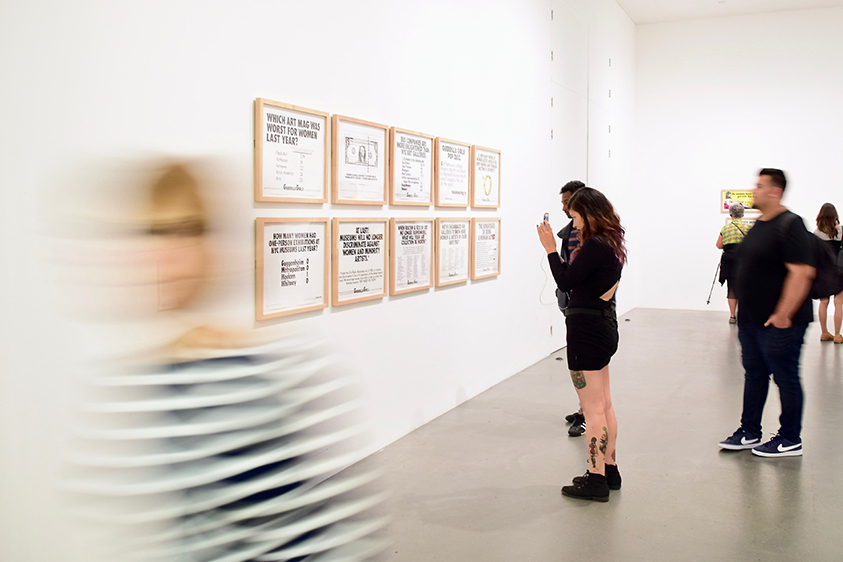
592	452
604	441
579	379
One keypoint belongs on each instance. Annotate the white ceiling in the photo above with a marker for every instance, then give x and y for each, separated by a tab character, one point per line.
651	11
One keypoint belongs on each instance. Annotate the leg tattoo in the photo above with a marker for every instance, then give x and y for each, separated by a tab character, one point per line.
613	457
604	441
579	379
592	452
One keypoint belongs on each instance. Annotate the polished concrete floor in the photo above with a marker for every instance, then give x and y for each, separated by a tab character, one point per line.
481	483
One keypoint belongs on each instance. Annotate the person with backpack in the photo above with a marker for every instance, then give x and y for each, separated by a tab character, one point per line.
829	231
778	266
730	238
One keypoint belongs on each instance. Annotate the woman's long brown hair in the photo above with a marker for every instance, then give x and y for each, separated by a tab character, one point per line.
827	220
599	219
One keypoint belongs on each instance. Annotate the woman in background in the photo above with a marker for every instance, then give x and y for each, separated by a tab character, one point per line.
592	330
729	239
829	229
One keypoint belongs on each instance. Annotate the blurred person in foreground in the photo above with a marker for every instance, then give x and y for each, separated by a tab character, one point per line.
729	240
777	267
592	330
829	230
201	443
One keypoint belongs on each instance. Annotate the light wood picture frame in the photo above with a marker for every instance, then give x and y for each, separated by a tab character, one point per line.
485	247
485	177
452	173
453	251
360	163
292	153
360	260
410	254
410	168
291	266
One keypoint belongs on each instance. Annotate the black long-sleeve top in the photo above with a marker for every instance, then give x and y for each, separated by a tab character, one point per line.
594	271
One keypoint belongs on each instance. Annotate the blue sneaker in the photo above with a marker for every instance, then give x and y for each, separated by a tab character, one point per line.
740	440
778	446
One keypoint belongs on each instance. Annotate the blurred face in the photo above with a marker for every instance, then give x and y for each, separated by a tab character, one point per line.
565	198
180	253
767	196
578	220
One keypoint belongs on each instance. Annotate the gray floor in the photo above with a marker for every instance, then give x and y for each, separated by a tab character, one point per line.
482	482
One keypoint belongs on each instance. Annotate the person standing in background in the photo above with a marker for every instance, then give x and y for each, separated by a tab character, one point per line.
829	229
730	237
570	243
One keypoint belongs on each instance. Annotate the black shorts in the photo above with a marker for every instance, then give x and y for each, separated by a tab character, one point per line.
592	340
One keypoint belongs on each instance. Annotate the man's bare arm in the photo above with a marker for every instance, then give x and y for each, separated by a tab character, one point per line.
797	283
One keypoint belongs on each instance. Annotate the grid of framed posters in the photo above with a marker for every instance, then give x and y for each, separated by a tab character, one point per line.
410	168
360	266
453	250
411	255
485	177
291	153
453	173
359	164
292	266
485	248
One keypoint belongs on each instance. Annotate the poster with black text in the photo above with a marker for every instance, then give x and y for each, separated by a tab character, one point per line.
453	250
291	153
360	161
486	177
411	168
453	173
359	260
292	266
486	248
411	255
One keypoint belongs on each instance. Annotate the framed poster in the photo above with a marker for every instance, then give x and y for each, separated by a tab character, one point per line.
730	197
485	177
292	266
453	251
410	168
748	222
411	255
359	260
359	165
291	153
452	173
485	248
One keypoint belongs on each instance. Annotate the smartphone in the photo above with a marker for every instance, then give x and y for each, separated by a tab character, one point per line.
546	217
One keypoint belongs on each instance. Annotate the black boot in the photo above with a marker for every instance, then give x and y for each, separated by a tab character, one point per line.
613	477
589	487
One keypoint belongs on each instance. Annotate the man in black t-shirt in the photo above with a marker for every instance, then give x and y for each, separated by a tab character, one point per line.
570	242
776	269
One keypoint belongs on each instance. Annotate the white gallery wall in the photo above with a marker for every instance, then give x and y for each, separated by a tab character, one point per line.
716	100
90	82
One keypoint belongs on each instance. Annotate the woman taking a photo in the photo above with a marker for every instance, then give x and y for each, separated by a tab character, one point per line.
592	277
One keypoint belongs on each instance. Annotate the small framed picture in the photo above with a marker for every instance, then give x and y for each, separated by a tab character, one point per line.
453	173
410	168
453	250
411	255
291	153
485	248
360	264
360	161
729	197
485	177
291	267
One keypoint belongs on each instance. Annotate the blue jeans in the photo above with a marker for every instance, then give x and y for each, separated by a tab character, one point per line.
773	351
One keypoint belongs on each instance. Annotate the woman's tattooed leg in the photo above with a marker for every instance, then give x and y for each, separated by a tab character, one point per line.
579	379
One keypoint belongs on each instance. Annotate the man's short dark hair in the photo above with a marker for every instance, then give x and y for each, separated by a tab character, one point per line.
777	177
571	186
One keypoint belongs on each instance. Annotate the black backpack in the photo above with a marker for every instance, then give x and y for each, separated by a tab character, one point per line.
828	264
